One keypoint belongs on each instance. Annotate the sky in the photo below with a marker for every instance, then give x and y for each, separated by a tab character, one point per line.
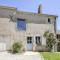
48	6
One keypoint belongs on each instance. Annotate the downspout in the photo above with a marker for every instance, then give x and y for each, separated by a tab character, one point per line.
55	29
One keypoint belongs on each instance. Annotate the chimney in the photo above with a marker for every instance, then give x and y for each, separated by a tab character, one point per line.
40	9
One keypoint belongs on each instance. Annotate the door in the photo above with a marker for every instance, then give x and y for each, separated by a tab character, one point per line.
2	46
4	43
29	44
58	47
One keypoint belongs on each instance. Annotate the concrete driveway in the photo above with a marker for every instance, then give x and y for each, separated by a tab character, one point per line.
23	56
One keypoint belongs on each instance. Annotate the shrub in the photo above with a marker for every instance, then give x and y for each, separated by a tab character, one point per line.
16	47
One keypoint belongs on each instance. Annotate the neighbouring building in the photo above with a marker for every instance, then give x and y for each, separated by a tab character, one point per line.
25	27
58	40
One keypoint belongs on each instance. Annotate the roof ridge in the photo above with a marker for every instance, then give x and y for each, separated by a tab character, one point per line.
7	7
35	13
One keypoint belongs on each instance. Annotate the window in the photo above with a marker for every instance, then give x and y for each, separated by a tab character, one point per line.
21	24
38	40
57	36
49	21
29	39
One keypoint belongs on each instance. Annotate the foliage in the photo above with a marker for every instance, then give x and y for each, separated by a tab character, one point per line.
50	39
16	47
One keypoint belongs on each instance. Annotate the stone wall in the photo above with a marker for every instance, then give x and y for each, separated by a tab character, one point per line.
35	26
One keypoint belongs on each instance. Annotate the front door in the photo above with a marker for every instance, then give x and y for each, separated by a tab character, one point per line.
29	44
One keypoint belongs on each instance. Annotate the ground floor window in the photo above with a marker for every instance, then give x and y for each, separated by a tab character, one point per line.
29	39
37	38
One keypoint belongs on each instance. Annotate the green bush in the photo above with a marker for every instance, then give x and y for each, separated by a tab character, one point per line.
50	40
16	47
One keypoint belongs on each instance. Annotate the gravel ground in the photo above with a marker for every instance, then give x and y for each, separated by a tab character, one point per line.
23	56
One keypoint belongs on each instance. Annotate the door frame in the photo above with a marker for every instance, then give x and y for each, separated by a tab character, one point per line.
29	42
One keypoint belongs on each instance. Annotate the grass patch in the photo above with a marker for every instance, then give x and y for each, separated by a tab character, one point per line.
50	56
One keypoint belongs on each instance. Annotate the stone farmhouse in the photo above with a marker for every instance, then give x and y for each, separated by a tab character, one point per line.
25	27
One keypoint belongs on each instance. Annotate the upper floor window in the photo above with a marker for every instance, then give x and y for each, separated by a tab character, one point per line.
49	21
21	24
57	36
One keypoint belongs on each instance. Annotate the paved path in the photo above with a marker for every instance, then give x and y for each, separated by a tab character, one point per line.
24	56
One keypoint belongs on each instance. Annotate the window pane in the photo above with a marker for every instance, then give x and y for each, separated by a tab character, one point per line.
29	39
38	40
57	36
49	21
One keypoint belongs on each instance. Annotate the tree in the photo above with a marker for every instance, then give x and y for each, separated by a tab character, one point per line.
16	47
50	40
